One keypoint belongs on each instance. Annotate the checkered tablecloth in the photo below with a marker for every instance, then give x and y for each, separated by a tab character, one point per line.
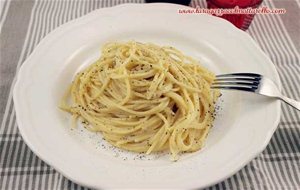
24	23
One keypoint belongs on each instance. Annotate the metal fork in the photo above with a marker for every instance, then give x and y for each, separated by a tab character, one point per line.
252	82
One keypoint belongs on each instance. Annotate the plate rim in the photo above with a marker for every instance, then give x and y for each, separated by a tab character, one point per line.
27	63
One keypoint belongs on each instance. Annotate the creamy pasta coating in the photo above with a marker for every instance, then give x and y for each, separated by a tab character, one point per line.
144	98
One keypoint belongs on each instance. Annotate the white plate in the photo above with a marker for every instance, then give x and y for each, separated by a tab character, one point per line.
243	127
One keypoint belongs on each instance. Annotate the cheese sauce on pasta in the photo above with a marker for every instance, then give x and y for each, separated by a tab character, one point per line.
144	98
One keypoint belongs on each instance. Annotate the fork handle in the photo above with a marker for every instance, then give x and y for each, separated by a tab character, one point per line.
291	102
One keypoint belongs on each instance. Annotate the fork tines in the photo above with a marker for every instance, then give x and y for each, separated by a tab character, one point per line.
237	81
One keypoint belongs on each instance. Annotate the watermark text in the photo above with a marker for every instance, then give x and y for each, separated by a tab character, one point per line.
235	10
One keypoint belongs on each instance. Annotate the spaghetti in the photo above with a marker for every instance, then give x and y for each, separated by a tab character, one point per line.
144	98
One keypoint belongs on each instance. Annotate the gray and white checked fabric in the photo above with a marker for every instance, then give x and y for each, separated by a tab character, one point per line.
24	23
